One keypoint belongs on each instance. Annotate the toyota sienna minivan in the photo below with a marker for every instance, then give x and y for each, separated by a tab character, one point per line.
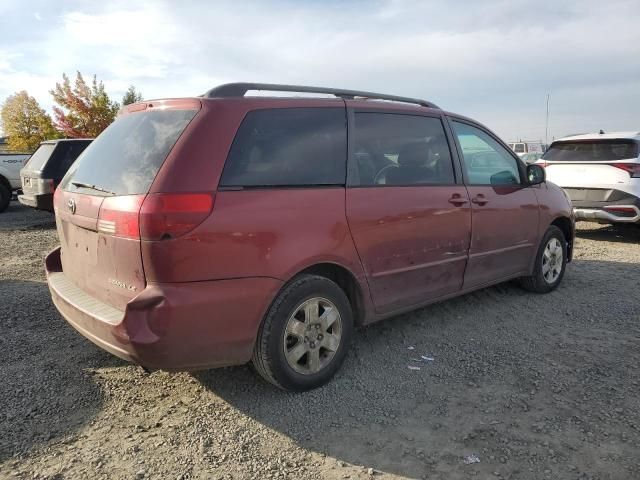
222	229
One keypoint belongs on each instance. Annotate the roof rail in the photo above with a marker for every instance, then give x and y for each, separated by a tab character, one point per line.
240	89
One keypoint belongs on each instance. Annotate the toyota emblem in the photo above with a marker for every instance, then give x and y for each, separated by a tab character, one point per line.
71	205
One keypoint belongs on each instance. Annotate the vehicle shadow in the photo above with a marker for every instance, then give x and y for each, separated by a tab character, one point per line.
609	233
46	391
496	359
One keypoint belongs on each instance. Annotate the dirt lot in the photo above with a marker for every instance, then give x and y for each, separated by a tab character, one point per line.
534	386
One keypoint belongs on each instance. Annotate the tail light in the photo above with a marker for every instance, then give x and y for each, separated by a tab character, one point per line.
542	163
119	216
170	215
633	169
157	216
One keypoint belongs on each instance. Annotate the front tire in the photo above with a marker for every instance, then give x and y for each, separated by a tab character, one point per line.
550	263
305	335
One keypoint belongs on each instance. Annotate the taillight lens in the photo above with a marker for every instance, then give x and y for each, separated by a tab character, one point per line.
119	216
542	163
170	215
633	169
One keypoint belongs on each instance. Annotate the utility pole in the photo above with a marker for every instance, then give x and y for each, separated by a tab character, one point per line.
546	128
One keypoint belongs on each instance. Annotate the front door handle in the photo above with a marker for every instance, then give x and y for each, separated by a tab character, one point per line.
457	200
479	199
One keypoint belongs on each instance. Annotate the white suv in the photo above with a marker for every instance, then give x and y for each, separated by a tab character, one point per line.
10	165
601	174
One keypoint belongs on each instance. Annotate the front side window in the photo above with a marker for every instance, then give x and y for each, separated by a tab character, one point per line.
395	149
485	160
288	147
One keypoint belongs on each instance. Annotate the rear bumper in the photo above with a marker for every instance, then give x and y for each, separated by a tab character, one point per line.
41	202
177	326
621	214
604	205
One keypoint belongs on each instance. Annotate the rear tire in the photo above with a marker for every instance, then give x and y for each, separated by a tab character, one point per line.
305	335
550	263
5	197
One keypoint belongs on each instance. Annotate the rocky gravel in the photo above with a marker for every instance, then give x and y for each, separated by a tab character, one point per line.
520	386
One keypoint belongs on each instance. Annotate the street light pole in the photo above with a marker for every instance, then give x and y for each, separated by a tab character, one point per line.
546	128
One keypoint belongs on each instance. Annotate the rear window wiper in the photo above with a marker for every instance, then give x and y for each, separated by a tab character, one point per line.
92	187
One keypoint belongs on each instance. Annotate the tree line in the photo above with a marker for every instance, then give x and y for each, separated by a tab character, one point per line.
82	110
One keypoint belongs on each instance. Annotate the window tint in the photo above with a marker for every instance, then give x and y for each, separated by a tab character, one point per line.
592	151
126	157
40	156
392	149
63	158
288	147
486	161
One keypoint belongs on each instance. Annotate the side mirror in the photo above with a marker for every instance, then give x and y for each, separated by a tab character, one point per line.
535	174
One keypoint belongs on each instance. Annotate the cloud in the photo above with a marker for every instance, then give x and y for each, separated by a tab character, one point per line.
492	61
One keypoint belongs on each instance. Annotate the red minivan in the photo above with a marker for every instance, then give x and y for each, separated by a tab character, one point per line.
227	228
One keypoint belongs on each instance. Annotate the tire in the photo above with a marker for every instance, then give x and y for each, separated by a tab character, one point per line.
291	328
5	197
545	279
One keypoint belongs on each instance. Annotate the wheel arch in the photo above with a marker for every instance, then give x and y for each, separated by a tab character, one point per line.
566	226
346	280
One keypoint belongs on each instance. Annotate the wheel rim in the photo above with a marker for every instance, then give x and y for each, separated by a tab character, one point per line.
312	335
552	260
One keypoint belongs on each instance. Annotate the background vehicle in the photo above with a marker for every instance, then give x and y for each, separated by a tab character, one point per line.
523	148
272	242
10	165
46	167
533	157
601	174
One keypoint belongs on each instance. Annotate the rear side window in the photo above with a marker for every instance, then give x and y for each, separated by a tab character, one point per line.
592	151
396	149
40	157
126	157
288	147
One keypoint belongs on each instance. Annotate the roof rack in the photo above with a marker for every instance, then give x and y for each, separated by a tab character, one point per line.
240	89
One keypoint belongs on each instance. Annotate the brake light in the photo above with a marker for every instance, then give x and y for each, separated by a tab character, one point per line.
542	163
633	169
119	216
170	215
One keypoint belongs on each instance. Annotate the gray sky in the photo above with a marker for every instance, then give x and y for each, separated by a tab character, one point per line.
493	61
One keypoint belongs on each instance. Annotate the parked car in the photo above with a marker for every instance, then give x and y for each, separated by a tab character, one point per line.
223	229
533	157
46	167
601	174
523	148
10	165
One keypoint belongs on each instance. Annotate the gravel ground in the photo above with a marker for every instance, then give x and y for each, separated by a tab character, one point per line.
535	386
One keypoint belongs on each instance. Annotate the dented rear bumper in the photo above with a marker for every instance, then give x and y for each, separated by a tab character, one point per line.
170	326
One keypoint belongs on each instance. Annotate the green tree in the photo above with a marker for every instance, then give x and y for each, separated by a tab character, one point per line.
84	110
131	96
25	123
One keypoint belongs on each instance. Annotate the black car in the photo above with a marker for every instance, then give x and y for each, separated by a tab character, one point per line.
45	169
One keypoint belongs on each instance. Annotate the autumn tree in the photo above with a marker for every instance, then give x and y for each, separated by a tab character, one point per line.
84	110
131	96
25	123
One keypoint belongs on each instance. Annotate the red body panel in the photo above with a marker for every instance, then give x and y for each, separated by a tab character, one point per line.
412	241
504	235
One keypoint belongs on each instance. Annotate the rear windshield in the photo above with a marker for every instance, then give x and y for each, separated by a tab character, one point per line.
592	151
519	148
63	158
40	157
288	147
126	157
